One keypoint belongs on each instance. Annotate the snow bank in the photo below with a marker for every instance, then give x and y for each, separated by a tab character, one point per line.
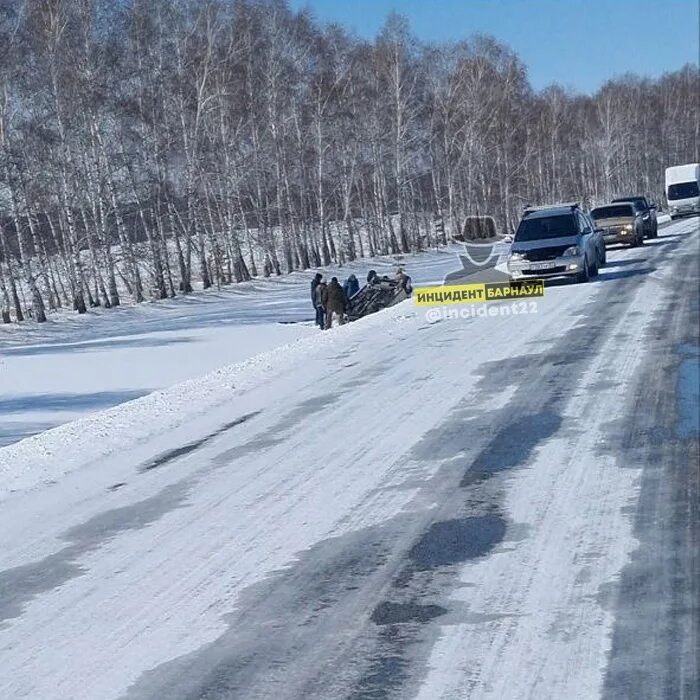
59	451
75	365
46	385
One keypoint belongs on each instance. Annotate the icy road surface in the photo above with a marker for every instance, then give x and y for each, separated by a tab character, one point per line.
499	507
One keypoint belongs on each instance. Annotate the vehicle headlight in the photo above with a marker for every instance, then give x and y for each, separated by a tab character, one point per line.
516	257
573	251
627	227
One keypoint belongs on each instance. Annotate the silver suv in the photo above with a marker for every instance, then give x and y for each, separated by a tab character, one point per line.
556	241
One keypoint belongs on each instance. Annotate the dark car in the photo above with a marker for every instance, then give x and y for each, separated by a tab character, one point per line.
556	241
648	212
378	293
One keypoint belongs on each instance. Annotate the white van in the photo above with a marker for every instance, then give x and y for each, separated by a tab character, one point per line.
683	189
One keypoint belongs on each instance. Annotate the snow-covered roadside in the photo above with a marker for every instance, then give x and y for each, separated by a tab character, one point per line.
47	385
75	365
59	451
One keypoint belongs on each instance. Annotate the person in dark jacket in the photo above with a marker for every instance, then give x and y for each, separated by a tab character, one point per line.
351	287
335	302
318	308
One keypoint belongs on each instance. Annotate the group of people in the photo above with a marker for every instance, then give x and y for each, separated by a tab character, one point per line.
333	299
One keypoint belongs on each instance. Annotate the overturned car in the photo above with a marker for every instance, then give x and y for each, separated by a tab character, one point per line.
379	293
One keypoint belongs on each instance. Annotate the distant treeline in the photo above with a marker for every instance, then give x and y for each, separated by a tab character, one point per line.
150	145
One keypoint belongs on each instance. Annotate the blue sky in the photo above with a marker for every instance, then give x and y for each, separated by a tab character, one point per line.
578	43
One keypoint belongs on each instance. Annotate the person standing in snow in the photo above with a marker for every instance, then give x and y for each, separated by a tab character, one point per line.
335	302
315	300
403	280
321	304
351	287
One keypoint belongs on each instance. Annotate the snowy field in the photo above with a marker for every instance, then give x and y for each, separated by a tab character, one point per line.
399	508
73	365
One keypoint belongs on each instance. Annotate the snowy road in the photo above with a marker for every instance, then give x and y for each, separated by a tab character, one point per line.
496	507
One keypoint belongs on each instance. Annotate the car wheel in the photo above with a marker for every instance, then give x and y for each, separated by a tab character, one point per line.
585	274
601	258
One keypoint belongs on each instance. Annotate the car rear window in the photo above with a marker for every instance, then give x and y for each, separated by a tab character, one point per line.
612	212
637	201
544	227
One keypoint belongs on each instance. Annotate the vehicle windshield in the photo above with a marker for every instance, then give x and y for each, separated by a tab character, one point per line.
638	202
612	211
683	190
546	227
